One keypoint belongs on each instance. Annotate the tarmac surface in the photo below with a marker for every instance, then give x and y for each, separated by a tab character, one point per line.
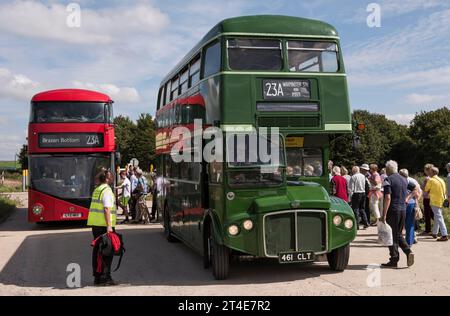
34	260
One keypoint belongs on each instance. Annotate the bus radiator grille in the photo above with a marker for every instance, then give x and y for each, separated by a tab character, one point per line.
295	231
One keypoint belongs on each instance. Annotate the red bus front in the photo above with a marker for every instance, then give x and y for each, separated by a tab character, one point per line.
70	139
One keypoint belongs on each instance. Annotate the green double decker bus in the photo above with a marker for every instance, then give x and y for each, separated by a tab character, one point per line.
254	73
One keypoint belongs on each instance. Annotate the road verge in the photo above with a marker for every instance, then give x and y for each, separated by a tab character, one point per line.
7	206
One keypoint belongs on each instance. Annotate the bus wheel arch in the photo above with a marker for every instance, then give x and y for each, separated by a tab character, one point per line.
215	255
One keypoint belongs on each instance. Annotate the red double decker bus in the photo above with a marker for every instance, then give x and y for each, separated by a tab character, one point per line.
70	138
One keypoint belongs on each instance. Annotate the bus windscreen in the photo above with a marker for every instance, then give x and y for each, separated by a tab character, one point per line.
66	177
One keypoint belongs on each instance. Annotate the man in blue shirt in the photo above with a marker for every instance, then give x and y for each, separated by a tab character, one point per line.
395	194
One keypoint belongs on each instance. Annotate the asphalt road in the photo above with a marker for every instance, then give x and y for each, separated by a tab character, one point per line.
34	259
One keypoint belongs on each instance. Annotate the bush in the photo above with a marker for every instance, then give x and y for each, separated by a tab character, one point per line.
7	206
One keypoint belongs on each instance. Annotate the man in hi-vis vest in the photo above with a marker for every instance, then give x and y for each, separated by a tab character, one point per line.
102	219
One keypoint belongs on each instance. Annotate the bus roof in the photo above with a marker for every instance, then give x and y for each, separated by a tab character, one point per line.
264	25
75	95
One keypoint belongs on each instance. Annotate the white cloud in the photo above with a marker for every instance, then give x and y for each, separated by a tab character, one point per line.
118	94
414	43
9	145
396	8
436	77
403	58
428	99
36	20
16	86
404	119
399	7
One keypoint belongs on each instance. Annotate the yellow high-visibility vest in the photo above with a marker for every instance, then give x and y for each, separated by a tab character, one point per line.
97	210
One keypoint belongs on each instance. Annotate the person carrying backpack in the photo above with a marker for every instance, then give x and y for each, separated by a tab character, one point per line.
102	219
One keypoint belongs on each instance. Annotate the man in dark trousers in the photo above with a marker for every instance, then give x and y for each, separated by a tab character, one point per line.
395	193
102	218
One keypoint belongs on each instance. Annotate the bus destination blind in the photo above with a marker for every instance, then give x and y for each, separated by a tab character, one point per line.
286	89
71	140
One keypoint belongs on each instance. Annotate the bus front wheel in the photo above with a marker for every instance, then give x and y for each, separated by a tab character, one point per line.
167	230
219	257
338	258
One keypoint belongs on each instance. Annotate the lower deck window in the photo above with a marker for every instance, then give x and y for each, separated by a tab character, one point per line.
303	162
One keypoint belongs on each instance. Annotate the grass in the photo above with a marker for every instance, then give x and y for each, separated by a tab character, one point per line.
8	164
9	189
7	206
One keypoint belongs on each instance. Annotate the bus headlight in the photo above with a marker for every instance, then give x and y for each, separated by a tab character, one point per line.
349	224
337	220
248	225
37	210
233	230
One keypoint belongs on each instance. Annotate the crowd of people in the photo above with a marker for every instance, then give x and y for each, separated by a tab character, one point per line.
134	187
392	196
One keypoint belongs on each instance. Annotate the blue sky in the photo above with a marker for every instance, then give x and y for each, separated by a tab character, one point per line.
124	48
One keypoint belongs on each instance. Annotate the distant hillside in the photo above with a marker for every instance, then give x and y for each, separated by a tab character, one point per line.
7	165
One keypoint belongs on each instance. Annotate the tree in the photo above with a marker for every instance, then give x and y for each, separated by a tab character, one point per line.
136	140
144	141
23	157
378	142
431	133
125	130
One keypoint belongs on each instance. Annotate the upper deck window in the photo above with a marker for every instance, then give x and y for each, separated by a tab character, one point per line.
212	60
194	72
71	112
174	89
184	81
307	56
255	54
